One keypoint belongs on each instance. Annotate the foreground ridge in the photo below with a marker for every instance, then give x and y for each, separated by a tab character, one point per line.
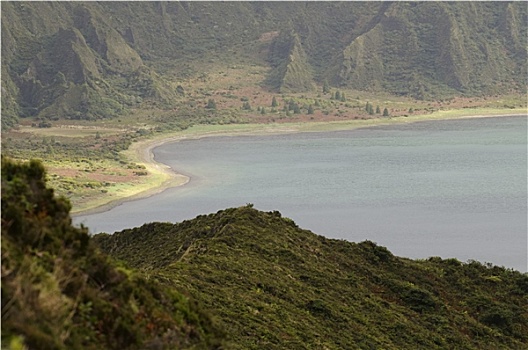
273	285
60	292
265	283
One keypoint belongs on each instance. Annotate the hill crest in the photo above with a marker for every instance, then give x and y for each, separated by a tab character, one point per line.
275	285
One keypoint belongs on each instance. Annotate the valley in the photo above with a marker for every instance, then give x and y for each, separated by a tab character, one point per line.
90	89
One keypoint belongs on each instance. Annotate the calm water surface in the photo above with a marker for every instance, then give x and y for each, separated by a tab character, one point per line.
454	188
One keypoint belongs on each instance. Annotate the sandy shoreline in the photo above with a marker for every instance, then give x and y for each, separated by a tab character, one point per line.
142	152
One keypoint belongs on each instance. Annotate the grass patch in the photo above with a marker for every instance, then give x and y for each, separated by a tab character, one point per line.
71	131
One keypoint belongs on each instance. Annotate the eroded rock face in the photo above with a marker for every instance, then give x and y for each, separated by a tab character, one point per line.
424	50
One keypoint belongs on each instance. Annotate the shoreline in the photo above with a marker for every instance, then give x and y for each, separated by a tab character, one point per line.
142	152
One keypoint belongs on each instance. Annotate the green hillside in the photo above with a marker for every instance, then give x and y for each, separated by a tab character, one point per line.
94	60
60	292
265	283
82	81
276	286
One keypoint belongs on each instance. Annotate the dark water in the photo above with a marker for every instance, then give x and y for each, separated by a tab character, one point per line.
455	188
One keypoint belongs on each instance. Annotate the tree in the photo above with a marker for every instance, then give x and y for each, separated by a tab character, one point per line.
291	105
326	87
338	95
262	110
411	110
310	109
378	110
385	112
369	108
211	104
274	102
296	109
246	106
343	99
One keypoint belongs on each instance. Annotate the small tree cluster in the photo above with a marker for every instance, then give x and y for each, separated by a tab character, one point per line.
339	96
370	110
293	106
246	106
211	104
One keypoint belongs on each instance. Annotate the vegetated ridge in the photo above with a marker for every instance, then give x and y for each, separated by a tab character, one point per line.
273	285
92	60
60	292
265	283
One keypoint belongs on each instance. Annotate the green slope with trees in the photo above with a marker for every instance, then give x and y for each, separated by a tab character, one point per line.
94	60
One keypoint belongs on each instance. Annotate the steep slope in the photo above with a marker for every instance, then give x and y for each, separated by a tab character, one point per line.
67	61
436	48
121	50
291	71
276	286
60	292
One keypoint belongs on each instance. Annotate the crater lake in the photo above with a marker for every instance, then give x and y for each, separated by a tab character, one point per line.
450	188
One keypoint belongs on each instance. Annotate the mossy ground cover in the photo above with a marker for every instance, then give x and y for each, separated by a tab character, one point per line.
60	292
273	285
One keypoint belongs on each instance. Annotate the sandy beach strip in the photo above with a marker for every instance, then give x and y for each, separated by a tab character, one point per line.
162	177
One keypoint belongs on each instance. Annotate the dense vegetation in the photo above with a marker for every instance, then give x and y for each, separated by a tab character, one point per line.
60	292
276	286
116	72
94	60
266	283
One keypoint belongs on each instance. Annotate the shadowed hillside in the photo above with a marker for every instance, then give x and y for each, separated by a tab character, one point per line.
60	292
93	60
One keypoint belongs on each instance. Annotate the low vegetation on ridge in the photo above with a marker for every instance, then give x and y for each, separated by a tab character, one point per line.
60	292
274	285
265	283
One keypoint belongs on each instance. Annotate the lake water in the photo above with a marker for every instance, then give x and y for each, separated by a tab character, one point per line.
453	188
